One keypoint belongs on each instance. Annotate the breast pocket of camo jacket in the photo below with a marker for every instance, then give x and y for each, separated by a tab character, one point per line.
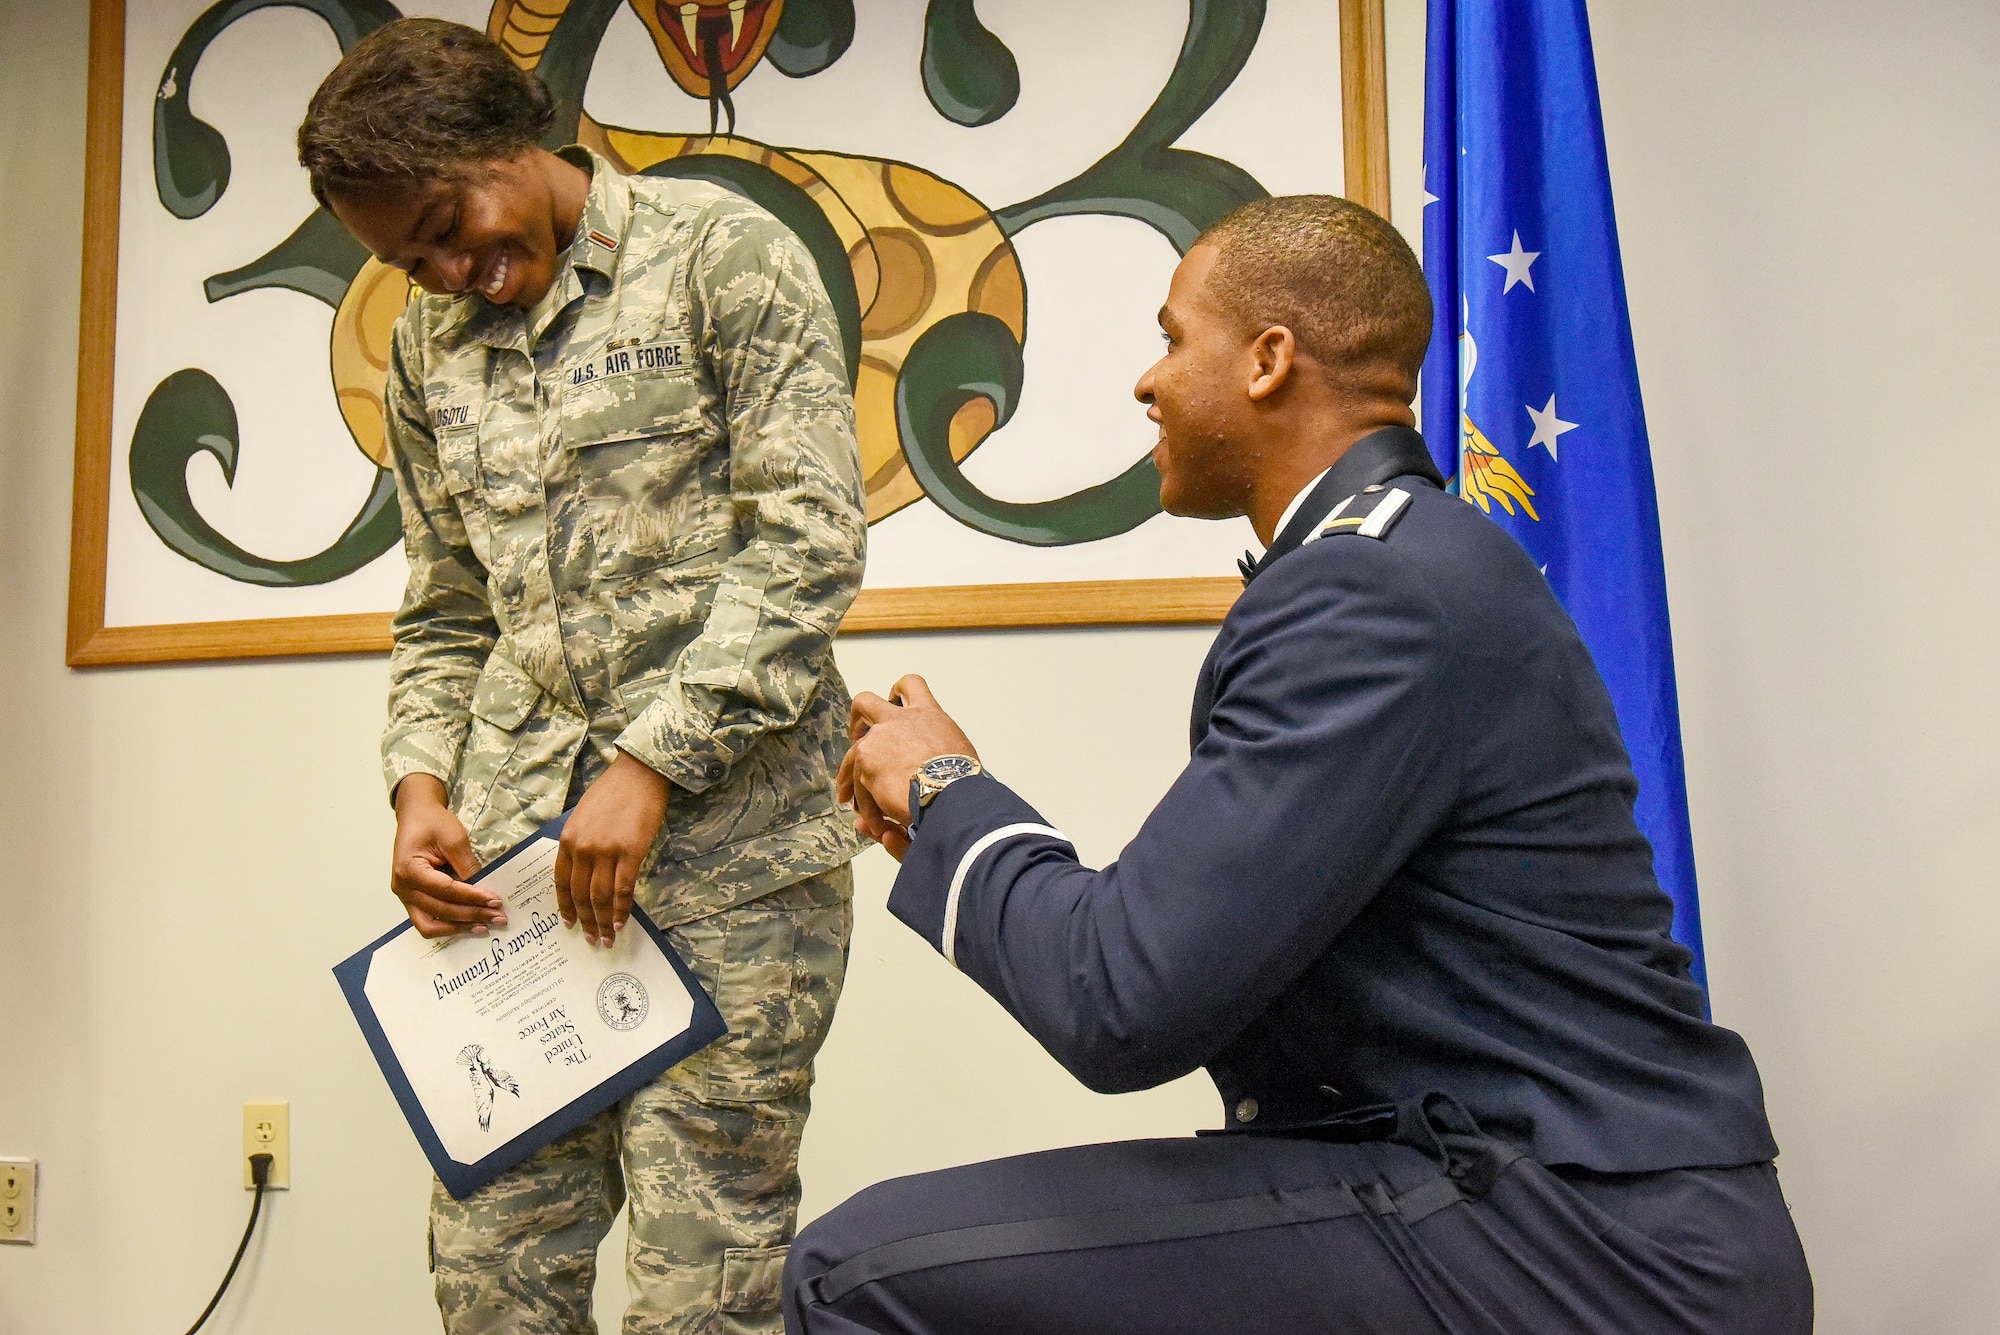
646	458
458	464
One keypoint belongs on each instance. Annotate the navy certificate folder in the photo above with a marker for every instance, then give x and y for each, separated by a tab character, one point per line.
622	1003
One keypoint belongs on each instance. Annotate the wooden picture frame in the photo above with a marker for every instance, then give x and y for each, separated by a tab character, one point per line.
92	643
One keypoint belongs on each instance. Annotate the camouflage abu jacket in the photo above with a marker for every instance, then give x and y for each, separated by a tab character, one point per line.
637	531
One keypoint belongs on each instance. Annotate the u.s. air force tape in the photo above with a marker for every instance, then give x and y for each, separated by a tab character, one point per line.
637	359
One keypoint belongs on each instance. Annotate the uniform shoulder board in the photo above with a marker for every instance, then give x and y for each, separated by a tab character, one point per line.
1369	513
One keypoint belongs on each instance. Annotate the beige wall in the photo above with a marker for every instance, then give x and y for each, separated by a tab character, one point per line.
1805	194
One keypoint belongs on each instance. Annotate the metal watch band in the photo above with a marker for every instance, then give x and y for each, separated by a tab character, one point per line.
924	790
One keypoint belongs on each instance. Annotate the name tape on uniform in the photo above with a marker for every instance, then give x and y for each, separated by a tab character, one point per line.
656	358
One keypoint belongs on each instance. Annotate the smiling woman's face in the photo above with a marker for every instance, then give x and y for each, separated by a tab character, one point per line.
495	232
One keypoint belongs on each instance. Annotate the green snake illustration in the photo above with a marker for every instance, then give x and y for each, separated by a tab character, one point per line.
924	280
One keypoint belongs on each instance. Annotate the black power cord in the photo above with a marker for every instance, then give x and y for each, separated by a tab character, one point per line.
260	1173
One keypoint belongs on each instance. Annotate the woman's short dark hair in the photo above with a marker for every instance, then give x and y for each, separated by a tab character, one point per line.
418	100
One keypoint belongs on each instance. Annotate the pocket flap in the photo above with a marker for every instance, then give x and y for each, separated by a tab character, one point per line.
458	459
753	1278
631	408
504	695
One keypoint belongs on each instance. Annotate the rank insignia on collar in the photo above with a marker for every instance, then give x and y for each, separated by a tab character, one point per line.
1373	517
601	239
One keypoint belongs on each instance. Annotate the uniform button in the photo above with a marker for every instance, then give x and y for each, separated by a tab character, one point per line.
1246	1111
712	770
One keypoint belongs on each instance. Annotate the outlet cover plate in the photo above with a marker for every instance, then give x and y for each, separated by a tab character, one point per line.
17	1200
267	1129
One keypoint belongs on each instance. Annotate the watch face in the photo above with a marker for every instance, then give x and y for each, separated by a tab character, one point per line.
943	769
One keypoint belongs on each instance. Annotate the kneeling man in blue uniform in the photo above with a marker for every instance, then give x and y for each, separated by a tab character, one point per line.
1396	906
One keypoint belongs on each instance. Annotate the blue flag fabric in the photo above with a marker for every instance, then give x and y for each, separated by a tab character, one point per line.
1530	391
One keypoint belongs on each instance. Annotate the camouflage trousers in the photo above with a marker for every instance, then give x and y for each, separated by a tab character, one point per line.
707	1155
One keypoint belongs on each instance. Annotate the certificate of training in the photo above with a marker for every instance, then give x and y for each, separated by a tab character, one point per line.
496	1045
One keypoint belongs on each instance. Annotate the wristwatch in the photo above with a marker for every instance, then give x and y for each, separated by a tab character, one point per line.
933	777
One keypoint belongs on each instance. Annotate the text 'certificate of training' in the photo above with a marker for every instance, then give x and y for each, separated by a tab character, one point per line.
496	1045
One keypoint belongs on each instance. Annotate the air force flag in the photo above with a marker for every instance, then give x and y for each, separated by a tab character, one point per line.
1530	392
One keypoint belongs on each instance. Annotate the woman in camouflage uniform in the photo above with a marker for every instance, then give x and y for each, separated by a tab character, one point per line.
632	507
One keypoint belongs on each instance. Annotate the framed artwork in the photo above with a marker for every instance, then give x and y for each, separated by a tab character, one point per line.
995	193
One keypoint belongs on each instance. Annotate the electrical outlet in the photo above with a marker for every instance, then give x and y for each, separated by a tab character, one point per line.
267	1129
17	1200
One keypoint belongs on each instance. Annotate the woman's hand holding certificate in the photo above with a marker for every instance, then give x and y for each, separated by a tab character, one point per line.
430	847
496	1043
604	844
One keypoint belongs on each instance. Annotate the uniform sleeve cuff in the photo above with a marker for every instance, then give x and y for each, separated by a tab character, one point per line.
418	753
682	748
947	839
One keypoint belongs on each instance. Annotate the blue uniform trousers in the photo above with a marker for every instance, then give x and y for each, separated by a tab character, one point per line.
1274	1235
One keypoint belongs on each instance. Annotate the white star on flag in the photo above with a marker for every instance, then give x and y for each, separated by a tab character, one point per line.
1548	427
1517	262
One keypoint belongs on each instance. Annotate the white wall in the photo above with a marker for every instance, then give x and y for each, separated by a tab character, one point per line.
1807	192
1804	194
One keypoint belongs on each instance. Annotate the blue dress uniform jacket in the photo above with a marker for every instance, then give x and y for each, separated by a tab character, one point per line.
1401	859
1398	908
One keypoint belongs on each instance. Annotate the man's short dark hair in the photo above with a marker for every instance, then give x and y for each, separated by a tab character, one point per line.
419	100
1334	273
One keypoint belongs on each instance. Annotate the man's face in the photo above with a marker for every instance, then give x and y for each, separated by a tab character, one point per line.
1197	394
492	234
